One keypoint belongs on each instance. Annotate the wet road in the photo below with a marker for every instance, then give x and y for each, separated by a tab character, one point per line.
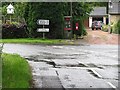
57	66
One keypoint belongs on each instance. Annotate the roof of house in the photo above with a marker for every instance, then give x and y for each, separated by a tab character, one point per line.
98	11
115	8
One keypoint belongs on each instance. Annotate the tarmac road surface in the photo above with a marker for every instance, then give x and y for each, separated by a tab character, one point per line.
66	66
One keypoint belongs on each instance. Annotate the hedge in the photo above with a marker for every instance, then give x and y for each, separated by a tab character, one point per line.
13	30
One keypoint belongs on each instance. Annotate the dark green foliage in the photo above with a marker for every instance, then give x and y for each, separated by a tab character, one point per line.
13	31
81	9
116	28
55	12
81	31
80	13
50	11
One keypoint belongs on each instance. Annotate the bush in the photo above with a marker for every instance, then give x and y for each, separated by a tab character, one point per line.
13	30
116	28
16	24
81	31
105	28
118	25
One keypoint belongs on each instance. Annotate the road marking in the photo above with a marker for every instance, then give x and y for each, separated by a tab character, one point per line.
72	48
60	47
96	73
111	85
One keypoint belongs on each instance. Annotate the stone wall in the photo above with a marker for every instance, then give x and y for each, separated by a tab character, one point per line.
114	18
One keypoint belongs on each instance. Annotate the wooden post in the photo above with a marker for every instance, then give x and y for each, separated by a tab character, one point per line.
10	19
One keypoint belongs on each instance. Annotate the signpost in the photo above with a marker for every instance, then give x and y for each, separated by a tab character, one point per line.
43	30
42	22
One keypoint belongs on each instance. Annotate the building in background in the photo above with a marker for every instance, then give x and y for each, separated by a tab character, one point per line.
98	14
114	11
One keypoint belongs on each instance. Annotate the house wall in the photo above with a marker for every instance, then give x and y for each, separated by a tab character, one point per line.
114	18
90	21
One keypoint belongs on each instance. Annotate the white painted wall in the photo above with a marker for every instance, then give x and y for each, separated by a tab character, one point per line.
104	20
90	21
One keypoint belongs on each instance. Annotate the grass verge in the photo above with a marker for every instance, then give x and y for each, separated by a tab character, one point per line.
33	41
0	73
16	72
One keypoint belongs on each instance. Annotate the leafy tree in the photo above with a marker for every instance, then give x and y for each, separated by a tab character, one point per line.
19	9
81	11
51	11
55	12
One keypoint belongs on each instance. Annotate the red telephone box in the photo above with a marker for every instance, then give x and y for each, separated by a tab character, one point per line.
68	23
77	26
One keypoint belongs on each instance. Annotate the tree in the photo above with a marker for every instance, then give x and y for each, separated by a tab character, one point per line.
19	9
81	11
55	12
51	11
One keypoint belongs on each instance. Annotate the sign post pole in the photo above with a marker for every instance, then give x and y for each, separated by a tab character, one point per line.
43	33
10	19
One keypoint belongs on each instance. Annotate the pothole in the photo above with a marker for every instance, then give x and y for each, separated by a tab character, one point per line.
51	63
117	65
58	57
70	65
93	65
82	65
42	60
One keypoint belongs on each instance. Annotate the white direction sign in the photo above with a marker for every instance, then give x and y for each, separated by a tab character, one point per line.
43	30
42	22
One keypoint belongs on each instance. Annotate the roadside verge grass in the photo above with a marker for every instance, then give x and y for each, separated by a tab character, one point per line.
33	41
15	72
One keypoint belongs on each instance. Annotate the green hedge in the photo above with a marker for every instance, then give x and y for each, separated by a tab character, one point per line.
105	28
116	28
13	30
81	31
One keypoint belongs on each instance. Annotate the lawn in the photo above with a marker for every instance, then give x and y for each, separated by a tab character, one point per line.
33	40
0	68
16	72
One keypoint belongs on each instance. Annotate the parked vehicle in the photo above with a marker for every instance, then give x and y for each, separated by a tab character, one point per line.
97	25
